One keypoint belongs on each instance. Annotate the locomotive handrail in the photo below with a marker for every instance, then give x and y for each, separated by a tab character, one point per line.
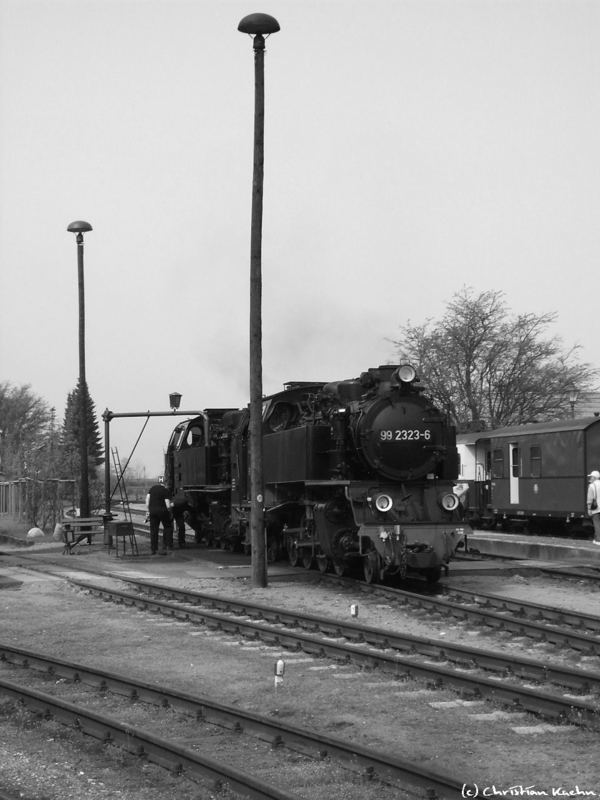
332	482
208	488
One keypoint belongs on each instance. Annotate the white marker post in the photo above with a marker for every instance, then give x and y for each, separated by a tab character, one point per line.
279	670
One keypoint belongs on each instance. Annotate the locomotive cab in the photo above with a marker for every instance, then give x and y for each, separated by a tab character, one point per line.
197	465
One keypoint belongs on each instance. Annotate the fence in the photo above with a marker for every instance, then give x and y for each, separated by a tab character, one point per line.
39	502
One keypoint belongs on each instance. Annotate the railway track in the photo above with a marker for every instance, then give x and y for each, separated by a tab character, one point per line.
493	675
564	628
140	742
437	657
508	617
369	765
541	623
580	632
535	612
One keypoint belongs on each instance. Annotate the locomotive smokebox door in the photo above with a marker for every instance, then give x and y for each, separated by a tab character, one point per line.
399	439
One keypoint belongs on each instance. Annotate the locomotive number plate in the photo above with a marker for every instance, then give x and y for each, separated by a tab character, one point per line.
405	435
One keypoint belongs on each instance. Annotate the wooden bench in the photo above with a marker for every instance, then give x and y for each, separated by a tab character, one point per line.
77	529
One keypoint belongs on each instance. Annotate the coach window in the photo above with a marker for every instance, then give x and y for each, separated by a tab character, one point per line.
515	461
488	464
497	464
535	460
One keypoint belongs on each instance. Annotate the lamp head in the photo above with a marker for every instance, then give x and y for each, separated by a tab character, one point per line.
79	227
174	400
259	24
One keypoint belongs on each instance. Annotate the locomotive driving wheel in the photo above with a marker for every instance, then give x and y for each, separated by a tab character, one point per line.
272	551
293	555
307	554
371	567
274	542
322	563
339	568
343	549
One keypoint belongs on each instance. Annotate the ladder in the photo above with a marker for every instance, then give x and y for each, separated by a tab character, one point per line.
121	485
128	531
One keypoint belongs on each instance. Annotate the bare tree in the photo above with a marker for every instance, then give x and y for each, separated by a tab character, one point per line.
488	369
24	423
30	454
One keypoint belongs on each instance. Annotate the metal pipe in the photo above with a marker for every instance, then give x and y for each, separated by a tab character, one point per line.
107	416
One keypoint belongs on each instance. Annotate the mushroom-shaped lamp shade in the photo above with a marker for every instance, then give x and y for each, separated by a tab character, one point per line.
79	227
258	23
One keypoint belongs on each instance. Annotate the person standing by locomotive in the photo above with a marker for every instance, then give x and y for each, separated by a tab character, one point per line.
180	506
158	507
593	502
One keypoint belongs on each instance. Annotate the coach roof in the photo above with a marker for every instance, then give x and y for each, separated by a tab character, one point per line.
530	428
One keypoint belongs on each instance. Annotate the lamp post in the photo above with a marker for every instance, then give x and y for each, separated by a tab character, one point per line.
258	26
573	395
80	228
174	400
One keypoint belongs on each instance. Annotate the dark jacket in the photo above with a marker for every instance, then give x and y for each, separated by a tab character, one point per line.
157	495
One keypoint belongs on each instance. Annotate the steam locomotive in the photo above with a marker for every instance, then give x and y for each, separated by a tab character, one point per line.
358	476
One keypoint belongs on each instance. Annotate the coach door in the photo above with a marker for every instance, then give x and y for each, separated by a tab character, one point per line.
513	450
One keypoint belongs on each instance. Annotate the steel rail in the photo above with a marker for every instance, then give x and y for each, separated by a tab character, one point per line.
563	616
576	572
579	680
143	743
588	644
522	698
277	733
528	668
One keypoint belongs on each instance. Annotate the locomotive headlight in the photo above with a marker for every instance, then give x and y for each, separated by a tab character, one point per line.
406	373
383	503
449	501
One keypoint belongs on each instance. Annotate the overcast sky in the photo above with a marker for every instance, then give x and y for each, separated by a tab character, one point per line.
411	147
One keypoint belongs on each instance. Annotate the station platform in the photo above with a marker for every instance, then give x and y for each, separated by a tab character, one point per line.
529	550
486	552
192	562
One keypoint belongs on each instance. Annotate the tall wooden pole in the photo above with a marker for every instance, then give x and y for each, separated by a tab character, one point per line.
257	514
257	26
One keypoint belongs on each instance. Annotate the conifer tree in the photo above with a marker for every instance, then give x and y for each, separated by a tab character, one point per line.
71	426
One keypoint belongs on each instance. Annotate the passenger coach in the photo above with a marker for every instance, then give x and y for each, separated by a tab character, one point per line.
531	477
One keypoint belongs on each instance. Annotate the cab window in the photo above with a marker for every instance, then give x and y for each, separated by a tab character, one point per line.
195	436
